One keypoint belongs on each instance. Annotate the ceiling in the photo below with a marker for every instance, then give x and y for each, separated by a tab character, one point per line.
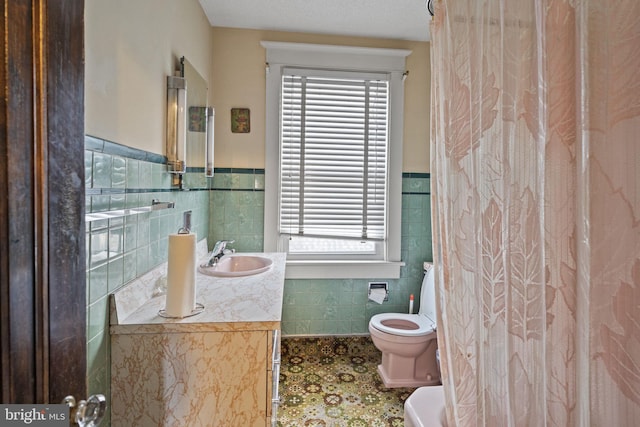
389	19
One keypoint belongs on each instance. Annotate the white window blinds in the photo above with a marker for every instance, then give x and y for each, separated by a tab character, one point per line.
334	144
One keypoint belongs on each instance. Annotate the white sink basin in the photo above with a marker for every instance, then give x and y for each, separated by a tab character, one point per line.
237	265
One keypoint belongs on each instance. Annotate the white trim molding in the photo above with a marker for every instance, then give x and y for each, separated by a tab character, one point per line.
329	56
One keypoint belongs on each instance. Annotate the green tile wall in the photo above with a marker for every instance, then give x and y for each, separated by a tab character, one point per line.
237	208
121	249
315	307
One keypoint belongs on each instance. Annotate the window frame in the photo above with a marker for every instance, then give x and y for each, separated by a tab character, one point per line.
280	55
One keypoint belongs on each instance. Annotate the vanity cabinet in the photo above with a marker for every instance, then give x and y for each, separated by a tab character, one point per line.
194	379
218	368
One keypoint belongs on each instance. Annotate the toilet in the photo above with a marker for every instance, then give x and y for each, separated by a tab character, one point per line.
408	341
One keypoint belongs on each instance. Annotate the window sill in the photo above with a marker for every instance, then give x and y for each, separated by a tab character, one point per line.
332	269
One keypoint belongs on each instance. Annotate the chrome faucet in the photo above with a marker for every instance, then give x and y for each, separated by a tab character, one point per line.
219	250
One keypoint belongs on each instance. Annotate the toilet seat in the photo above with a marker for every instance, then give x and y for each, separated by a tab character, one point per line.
422	324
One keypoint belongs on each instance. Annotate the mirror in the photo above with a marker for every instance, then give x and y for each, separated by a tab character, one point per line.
196	115
189	124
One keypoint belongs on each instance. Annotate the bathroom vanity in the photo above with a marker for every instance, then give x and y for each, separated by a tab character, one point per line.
217	368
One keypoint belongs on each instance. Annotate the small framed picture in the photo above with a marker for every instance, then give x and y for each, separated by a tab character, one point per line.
197	119
240	120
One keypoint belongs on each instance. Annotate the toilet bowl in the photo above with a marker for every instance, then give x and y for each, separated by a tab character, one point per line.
408	342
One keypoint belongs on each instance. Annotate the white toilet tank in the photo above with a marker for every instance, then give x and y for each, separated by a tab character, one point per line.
428	296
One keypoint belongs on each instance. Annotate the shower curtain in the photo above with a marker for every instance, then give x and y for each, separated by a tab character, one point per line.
536	186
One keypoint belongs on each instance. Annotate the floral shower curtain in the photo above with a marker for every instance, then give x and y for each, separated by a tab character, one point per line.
536	171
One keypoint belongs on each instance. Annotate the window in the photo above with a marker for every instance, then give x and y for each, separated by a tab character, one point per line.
333	152
334	159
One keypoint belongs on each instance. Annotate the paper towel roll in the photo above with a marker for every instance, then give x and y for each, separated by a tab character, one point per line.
181	275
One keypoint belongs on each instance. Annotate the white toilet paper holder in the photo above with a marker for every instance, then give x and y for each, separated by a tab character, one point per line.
379	285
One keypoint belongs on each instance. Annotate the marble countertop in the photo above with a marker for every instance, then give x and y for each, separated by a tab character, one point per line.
230	303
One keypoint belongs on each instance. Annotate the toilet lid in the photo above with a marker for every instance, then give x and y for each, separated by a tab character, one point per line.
424	325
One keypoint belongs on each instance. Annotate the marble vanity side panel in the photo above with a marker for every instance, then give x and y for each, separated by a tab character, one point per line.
196	379
132	296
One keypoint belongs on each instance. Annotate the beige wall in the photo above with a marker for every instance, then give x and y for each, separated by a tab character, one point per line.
239	81
130	48
127	63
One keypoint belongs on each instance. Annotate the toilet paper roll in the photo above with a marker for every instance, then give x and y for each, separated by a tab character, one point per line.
377	295
181	275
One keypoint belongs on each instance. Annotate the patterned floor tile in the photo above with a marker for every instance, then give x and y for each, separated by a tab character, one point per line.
334	382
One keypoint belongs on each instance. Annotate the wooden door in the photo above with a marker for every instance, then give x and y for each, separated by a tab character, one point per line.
42	235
